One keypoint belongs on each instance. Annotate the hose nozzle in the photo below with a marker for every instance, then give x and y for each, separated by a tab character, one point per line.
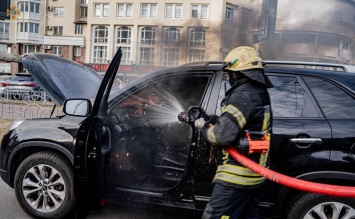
183	117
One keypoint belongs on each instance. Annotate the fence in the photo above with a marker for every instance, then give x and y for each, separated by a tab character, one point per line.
21	105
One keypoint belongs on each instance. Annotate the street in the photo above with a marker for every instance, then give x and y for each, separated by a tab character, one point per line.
9	208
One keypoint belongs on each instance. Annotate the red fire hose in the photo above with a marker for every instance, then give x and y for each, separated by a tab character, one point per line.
325	189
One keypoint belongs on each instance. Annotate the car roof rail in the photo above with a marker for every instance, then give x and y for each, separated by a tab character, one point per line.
205	63
312	65
23	74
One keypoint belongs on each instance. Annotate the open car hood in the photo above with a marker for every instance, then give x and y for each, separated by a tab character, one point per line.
62	78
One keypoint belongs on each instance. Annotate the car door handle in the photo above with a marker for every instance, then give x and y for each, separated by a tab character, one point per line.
306	140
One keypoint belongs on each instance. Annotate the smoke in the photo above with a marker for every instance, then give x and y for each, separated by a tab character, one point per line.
318	30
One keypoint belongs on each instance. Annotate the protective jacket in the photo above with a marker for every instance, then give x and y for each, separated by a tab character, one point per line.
245	107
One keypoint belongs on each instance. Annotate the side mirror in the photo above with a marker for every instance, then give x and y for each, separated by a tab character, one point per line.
77	107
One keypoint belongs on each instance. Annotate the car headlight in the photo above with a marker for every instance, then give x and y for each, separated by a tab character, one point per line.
15	124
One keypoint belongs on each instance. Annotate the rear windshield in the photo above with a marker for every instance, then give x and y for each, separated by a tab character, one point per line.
22	78
5	78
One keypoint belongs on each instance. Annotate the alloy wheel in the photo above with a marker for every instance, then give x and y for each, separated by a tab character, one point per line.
43	188
331	210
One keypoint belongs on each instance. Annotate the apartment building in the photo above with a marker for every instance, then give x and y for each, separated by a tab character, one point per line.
164	33
48	26
65	28
174	32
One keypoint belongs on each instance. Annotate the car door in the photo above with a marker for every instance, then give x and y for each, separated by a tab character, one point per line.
301	135
91	146
136	148
338	105
150	149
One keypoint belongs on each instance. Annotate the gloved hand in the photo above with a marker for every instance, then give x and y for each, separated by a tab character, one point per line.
200	123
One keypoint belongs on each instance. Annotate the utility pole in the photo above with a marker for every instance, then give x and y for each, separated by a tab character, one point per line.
266	29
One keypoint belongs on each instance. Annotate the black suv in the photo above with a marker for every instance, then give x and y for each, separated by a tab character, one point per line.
127	145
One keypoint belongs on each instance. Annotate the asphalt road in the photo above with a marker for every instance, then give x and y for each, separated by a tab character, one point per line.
9	208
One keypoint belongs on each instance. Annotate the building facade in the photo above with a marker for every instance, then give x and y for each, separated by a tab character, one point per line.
174	32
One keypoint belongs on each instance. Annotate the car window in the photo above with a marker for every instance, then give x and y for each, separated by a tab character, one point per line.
21	78
289	99
334	102
150	146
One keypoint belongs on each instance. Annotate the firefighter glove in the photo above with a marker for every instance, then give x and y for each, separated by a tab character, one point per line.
200	123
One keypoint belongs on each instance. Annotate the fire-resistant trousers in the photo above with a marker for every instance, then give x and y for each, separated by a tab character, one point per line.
232	203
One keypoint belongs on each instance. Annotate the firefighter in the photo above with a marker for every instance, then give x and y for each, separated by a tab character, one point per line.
246	106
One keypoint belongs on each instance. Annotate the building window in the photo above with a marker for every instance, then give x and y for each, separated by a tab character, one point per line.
58	12
101	10
23	27
84	2
83	11
149	10
146	56
243	39
57	50
124	10
198	37
78	29
124	35
171	56
173	11
101	34
229	15
4	30
171	44
126	55
57	30
196	55
30	49
28	27
34	28
172	37
148	35
77	51
199	11
34	7
245	19
255	38
227	40
23	6
100	54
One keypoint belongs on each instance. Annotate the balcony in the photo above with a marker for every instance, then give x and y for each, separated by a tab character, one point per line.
64	40
26	37
29	16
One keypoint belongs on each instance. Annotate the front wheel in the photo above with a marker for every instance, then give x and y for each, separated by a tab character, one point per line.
314	206
44	186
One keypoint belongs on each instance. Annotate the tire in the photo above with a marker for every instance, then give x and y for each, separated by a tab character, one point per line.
17	96
314	206
33	180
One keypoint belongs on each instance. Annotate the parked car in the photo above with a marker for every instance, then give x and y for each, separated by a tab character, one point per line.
3	81
22	85
127	146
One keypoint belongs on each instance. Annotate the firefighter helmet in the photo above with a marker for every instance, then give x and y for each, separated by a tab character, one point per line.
242	58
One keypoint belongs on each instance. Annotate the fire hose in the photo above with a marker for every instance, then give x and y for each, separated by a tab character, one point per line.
306	186
319	188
